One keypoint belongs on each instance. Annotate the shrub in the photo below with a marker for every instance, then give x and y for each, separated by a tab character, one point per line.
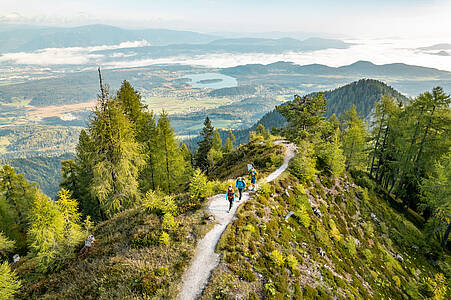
165	239
270	288
169	222
368	255
303	215
277	258
350	245
292	262
334	232
397	281
198	186
303	165
434	288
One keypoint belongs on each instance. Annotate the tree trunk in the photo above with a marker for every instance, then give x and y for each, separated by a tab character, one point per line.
424	137
379	163
375	147
167	164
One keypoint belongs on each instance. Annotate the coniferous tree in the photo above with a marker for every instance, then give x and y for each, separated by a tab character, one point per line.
436	197
353	138
215	153
6	245
304	115
16	200
116	158
201	157
148	137
171	163
229	144
89	203
9	282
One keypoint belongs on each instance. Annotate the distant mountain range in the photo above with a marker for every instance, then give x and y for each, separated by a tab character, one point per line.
359	68
18	39
25	39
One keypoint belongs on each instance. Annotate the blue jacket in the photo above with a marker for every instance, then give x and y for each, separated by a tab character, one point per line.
241	184
227	195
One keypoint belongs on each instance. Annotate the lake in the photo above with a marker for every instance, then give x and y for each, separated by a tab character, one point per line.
211	80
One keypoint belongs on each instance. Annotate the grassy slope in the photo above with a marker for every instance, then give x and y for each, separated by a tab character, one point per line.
359	260
127	261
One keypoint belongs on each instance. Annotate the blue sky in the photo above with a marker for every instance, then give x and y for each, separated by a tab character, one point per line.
347	17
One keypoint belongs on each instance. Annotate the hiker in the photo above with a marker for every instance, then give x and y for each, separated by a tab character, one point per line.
240	185
88	244
230	196
253	175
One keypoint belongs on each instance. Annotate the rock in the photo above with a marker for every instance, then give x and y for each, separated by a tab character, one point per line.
304	244
290	187
317	212
289	215
373	216
286	193
16	258
399	257
211	218
321	252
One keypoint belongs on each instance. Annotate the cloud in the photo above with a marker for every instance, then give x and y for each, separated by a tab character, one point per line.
381	51
65	56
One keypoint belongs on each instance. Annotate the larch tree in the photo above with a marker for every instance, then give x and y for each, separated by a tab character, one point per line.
116	158
436	197
353	138
230	142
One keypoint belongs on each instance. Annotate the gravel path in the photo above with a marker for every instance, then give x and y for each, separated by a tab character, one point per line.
206	260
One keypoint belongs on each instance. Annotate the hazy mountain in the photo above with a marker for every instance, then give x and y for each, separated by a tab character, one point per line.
360	68
442	46
34	38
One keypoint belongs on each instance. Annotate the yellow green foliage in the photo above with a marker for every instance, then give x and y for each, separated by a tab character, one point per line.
9	282
277	258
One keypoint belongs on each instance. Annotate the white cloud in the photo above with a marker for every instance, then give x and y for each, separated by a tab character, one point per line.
66	56
376	51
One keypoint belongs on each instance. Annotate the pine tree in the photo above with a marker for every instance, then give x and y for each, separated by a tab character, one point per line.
201	157
170	163
9	282
304	115
353	139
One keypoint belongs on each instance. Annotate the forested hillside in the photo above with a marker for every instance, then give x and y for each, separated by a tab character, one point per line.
43	170
360	214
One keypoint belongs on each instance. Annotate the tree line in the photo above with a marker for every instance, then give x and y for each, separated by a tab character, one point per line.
406	150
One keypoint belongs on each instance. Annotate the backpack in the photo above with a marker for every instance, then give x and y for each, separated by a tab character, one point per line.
230	194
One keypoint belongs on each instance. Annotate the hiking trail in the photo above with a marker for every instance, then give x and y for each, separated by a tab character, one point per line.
205	259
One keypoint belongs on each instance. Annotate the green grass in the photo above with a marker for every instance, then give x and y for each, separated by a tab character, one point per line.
359	260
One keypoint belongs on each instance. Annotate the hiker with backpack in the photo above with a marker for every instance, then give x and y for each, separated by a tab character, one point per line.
240	185
253	175
230	196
